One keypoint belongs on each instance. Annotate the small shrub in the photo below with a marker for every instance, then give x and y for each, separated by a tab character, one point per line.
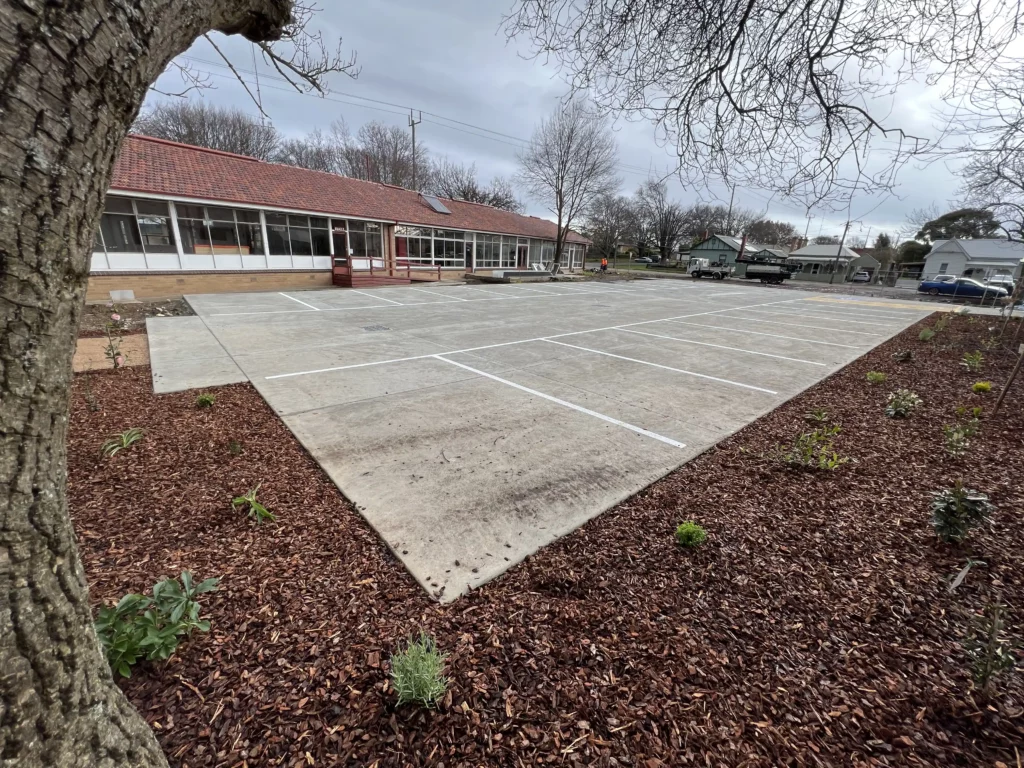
957	439
689	534
903	356
973	413
417	672
926	334
991	344
235	448
876	377
151	627
814	450
981	387
956	510
205	401
901	403
113	329
255	510
942	322
972	361
119	442
818	416
988	653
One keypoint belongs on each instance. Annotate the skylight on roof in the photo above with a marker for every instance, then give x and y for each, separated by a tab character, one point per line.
436	204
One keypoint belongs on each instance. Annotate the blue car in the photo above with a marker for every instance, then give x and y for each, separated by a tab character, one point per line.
961	288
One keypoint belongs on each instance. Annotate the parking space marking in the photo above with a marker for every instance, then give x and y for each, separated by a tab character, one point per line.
664	367
315	309
719	346
759	333
567	404
805	325
822	317
435	293
374	296
871	312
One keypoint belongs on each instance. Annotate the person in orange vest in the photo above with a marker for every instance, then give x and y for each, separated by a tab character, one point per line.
604	264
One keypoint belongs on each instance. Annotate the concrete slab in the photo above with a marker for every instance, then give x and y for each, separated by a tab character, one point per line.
472	425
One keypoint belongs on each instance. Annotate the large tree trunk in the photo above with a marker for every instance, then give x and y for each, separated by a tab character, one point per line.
72	78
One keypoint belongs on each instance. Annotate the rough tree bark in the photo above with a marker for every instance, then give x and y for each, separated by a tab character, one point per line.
73	75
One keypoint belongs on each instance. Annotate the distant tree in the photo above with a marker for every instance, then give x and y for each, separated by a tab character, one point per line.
664	219
768	232
962	224
826	240
607	223
207	125
316	151
704	218
883	241
569	163
912	251
459	182
856	241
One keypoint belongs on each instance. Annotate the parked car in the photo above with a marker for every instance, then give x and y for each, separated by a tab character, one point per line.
962	288
1002	281
862	277
643	260
944	278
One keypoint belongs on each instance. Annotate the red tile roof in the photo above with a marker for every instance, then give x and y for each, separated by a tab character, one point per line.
159	167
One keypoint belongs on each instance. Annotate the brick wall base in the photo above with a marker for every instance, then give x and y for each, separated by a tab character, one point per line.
170	285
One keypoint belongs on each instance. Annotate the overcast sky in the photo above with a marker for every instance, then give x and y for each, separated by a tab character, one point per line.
450	60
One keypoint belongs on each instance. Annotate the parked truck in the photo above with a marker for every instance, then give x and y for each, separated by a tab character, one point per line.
768	272
708	268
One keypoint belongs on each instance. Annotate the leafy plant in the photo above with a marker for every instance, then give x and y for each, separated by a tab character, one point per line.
818	416
942	322
876	377
956	510
957	439
113	328
689	534
234	448
205	400
152	627
991	344
901	403
963	412
119	442
903	356
255	510
972	361
417	672
927	334
814	450
989	654
981	387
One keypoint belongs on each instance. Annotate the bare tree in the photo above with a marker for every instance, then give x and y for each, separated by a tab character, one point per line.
384	153
207	125
316	151
704	219
459	182
770	93
607	223
666	220
569	162
826	240
75	76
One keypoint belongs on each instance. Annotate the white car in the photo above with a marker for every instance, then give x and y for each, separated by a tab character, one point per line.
1002	281
862	277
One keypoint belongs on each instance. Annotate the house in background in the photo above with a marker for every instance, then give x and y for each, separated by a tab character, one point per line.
818	262
722	249
181	219
977	259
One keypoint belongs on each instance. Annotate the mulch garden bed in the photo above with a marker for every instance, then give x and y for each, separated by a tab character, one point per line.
96	316
815	627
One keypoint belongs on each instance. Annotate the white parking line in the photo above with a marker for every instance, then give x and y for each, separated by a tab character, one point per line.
510	343
909	313
435	293
759	333
821	317
665	367
565	403
719	346
374	296
802	325
315	309
503	294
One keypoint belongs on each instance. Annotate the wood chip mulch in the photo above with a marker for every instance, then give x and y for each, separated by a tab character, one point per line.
816	626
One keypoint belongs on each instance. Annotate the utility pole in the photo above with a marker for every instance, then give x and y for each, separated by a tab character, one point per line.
839	252
412	124
728	220
807	229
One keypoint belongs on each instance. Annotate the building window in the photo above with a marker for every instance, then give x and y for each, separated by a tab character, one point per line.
488	251
365	239
135	226
210	230
943	267
449	248
414	244
815	269
298	235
